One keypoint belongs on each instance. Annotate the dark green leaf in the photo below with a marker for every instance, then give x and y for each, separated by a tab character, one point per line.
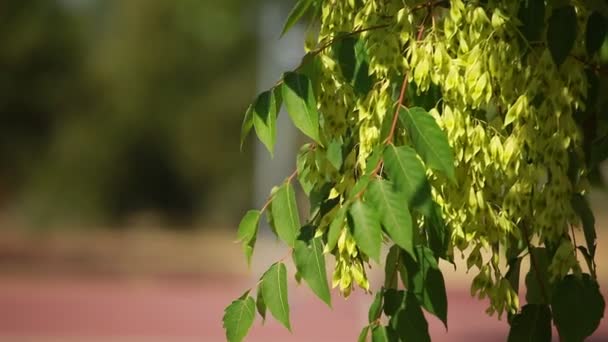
582	209
366	229
438	234
426	282
285	214
363	334
391	267
298	11
532	324
537	285
301	104
379	334
246	125
260	304
304	166
274	290
408	322
532	16
426	100
375	309
310	262
265	112
561	33
513	273
354	63
408	174
596	33
334	154
578	307
394	214
238	319
429	141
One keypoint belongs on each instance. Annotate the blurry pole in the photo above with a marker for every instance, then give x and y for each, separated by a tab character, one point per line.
275	57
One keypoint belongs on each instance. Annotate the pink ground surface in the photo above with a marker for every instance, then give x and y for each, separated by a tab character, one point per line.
105	309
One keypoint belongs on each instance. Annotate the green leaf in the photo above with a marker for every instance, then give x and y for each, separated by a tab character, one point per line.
366	229
426	100
394	214
596	33
379	334
532	324
426	282
335	228
246	125
265	111
363	334
532	16
537	285
301	104
310	262
438	234
285	214
429	141
407	173
582	209
334	154
298	11
238	319
375	309
391	267
260	304
274	290
249	226
513	273
578	307
561	33
354	63
407	319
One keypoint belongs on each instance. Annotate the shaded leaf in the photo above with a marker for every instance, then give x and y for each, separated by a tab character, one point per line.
582	209
366	229
532	14
310	262
274	291
238	318
247	125
285	214
260	304
578	307
595	33
407	320
426	282
536	285
394	214
533	323
409	176
429	141
391	267
301	105
513	273
354	63
438	234
561	33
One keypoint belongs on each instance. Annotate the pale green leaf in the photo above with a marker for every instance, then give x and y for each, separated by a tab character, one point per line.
238	318
334	154
407	173
248	226
366	229
274	290
394	213
301	104
429	141
285	214
335	228
379	334
310	262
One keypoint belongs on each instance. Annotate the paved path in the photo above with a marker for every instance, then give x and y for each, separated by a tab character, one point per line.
98	309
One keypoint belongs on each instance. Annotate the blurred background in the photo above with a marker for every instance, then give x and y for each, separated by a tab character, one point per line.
122	183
